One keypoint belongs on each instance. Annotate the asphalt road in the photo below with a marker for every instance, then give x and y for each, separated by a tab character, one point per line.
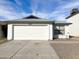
68	49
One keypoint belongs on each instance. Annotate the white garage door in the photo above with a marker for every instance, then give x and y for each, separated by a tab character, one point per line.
31	33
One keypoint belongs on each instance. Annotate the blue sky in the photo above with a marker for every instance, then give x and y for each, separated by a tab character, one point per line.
48	9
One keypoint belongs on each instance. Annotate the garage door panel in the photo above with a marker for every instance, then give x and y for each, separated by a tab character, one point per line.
31	32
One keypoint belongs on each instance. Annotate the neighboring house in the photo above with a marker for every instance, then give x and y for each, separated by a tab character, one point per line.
35	28
74	19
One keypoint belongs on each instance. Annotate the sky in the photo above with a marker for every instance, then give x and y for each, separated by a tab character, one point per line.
47	9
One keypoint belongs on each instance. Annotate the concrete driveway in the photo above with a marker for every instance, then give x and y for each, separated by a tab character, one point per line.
27	50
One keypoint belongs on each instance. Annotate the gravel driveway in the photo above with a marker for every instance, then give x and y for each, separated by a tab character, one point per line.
27	50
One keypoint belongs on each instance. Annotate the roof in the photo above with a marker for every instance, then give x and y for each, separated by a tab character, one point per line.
62	23
71	15
31	17
74	11
35	21
28	21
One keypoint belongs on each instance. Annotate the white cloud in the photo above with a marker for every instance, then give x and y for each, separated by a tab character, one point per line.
59	13
46	5
8	11
18	2
63	10
41	15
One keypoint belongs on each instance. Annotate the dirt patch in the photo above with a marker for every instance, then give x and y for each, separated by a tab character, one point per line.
3	40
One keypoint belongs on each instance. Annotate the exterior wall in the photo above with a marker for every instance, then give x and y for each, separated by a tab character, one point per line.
10	31
50	31
67	31
73	28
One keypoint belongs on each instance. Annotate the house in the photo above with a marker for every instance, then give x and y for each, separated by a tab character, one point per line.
34	28
74	19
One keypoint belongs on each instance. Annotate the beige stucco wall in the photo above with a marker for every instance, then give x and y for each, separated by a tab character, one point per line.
74	27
